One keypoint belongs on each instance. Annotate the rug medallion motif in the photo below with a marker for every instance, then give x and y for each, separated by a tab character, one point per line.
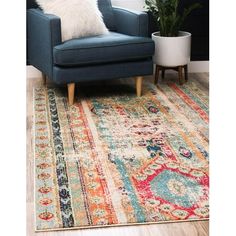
116	159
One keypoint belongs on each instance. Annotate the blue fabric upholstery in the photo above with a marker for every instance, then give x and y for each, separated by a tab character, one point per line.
105	8
44	33
113	47
131	22
122	54
108	71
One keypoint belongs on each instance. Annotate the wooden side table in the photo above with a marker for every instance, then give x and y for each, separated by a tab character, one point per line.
179	69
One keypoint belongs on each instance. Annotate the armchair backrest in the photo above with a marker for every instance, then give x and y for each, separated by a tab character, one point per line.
104	6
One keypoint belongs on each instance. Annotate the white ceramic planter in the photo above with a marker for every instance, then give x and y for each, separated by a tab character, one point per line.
172	51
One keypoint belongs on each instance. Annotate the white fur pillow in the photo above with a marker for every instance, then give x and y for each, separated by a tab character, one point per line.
79	18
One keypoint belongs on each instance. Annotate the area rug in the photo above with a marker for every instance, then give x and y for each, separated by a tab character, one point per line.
116	159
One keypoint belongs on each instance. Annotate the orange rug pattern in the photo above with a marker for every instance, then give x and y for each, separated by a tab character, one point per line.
116	159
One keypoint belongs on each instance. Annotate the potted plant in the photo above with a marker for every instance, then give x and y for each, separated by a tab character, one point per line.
172	46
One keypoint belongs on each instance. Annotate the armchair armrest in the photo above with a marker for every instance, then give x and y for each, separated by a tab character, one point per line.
43	33
131	22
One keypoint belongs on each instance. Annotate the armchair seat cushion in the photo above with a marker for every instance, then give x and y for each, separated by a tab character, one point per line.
112	47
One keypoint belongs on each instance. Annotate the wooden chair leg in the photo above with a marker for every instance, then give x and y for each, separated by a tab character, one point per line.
186	72
163	73
44	79
157	74
180	70
138	82
71	93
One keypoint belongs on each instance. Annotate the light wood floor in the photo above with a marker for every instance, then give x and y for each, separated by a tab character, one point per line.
198	228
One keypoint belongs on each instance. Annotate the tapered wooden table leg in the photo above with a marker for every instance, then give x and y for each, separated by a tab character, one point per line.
180	70
186	72
71	93
163	73
139	81
157	74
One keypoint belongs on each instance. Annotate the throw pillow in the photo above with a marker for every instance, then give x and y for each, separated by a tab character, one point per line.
79	18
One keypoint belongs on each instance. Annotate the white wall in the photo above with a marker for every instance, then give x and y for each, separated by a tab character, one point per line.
130	4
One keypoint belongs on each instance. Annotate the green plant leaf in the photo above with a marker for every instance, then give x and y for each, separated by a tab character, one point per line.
165	13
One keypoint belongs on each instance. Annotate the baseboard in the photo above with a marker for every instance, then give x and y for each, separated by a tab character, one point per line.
198	66
193	67
32	72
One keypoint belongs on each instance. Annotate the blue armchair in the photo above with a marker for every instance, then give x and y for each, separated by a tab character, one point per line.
125	52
